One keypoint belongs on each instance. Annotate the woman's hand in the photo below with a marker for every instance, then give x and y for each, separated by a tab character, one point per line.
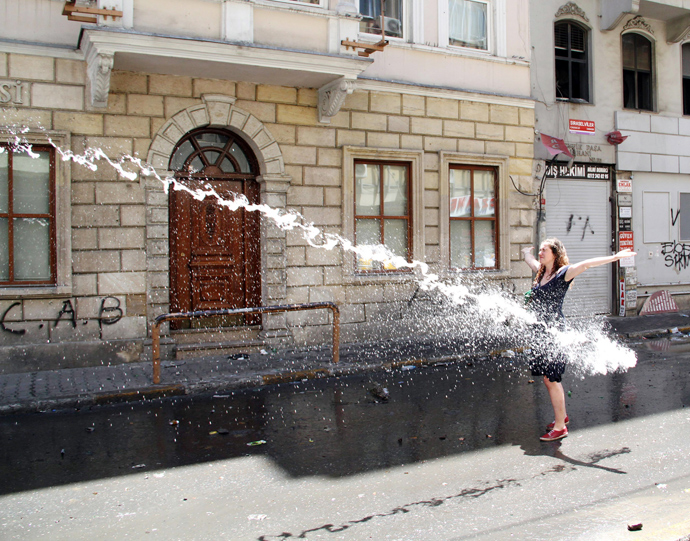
625	253
532	263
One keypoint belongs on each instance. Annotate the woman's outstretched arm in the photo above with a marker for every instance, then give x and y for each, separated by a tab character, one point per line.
531	261
582	266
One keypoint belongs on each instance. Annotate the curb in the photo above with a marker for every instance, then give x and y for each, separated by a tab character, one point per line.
652	333
152	392
94	399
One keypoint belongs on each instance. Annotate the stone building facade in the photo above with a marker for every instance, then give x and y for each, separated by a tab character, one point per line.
111	247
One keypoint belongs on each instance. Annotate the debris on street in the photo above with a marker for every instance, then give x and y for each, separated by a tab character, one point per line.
255	443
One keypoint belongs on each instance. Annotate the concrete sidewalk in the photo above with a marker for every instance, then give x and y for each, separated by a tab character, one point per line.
79	387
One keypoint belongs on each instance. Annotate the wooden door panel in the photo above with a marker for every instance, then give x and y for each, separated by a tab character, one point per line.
215	255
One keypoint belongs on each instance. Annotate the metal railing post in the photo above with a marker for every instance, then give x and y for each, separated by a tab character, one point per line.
156	335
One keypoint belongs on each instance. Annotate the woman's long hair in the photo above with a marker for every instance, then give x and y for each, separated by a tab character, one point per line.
561	258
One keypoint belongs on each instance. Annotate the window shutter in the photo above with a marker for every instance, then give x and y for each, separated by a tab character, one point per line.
577	39
561	36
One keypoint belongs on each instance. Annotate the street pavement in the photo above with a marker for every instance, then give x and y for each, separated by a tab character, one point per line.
79	387
452	454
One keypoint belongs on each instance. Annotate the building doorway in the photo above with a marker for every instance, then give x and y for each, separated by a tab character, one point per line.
215	257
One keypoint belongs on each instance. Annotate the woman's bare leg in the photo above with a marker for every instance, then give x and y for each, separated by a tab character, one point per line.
557	396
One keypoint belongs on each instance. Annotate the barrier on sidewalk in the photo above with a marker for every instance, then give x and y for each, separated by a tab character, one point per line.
156	331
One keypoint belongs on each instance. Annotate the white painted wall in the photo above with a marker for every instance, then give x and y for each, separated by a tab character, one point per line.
417	58
38	21
606	77
663	257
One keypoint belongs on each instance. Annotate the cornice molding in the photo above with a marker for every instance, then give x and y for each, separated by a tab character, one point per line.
571	9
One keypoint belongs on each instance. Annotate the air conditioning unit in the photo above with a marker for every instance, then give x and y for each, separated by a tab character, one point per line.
393	26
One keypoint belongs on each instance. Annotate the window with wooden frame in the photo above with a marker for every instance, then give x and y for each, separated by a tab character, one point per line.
27	217
382	211
473	221
572	61
393	19
637	72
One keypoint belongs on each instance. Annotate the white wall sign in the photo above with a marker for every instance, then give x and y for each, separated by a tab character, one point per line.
624	185
14	93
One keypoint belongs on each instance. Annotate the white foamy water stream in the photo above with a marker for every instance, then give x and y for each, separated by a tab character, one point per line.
588	349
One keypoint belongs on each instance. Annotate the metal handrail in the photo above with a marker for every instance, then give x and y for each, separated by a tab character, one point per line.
156	331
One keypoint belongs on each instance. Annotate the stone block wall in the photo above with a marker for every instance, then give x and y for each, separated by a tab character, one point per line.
120	245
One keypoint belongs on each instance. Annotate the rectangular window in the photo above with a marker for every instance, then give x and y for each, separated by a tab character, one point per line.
371	17
27	217
382	210
473	221
468	24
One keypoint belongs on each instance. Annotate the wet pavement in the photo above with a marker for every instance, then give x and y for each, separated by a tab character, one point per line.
335	426
79	387
452	442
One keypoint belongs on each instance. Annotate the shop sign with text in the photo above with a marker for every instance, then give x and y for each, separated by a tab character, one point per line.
582	126
586	171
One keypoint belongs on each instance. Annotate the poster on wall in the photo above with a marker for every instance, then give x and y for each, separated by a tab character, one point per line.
625	241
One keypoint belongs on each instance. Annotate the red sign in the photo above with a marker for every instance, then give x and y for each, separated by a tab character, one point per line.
555	145
581	126
625	240
615	137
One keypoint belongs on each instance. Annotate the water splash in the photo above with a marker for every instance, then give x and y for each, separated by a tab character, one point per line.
467	305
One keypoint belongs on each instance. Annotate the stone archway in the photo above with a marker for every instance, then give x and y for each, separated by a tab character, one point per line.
220	111
215	111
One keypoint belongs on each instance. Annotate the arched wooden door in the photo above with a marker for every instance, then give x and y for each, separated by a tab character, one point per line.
215	260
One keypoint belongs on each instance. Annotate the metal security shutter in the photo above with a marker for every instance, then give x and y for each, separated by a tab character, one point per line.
578	213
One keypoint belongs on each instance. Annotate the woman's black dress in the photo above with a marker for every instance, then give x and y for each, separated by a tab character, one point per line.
547	303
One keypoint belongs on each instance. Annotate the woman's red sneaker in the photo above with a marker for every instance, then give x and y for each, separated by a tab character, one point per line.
551	425
553	435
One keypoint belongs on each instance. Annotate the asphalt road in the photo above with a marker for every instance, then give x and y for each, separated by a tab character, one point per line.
452	455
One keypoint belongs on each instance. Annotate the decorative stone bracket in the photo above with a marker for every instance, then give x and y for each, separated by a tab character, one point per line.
332	96
99	65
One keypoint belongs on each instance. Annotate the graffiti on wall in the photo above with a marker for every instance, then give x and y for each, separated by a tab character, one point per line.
676	254
109	313
585	226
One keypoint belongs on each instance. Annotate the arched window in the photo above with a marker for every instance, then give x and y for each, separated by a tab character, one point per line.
213	152
572	61
637	72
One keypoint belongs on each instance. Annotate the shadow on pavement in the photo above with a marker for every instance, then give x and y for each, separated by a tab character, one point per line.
335	427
